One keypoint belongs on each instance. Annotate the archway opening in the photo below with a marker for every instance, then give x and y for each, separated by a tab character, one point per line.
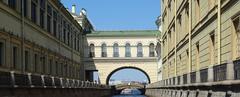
128	75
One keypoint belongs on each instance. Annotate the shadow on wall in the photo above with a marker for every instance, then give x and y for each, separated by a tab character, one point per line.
88	54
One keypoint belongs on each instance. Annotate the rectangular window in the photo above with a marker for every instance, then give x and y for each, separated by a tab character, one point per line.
42	12
49	18
25	7
61	69
64	31
78	43
75	42
54	24
36	69
50	67
27	61
44	70
42	18
2	55
56	70
65	70
68	35
12	4
34	12
15	57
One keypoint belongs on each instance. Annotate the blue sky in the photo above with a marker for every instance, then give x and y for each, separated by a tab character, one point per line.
129	74
119	14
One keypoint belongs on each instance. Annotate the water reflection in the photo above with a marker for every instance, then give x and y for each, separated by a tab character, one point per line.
130	93
129	96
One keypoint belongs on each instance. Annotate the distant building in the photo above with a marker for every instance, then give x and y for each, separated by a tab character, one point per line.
110	51
158	48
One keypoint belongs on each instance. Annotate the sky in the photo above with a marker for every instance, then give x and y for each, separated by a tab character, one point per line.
119	14
129	75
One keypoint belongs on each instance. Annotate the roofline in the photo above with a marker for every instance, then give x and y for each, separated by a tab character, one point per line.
124	30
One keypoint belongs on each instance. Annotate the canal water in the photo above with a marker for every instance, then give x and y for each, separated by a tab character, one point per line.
129	96
130	93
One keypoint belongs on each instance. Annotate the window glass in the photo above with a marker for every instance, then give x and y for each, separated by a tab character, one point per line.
92	51
151	50
34	12
104	50
12	4
139	50
127	50
115	50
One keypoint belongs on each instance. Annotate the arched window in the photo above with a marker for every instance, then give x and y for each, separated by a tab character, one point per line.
115	50
151	50
139	50
127	50
104	50
158	49
92	50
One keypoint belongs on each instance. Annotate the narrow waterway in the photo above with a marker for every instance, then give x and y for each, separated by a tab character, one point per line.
129	96
130	93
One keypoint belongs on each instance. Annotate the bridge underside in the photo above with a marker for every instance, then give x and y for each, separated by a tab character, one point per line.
106	67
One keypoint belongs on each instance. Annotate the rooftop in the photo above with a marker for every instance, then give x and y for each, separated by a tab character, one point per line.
124	33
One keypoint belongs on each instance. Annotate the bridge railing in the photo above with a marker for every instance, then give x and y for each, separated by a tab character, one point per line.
28	80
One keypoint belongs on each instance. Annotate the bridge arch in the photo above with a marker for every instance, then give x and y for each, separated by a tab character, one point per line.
127	67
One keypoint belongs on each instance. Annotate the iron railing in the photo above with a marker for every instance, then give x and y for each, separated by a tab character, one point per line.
11	79
174	81
236	69
179	80
220	72
185	79
204	75
193	77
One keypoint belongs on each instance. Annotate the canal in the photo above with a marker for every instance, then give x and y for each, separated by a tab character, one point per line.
130	93
129	96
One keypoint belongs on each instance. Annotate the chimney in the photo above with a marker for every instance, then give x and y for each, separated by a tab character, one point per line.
73	8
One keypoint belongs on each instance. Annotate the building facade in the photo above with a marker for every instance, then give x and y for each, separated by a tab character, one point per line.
158	48
40	37
200	41
110	51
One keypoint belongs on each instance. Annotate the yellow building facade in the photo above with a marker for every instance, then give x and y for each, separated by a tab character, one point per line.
200	40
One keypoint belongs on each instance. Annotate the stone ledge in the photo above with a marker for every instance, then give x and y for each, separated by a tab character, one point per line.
207	84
